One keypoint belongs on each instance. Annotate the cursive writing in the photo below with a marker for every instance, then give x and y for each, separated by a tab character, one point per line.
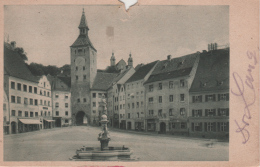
240	92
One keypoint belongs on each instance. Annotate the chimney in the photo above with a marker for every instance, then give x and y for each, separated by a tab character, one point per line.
208	47
169	57
13	44
216	46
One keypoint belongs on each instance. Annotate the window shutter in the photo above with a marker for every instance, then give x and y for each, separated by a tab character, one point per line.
227	127
200	97
214	127
214	97
219	112
218	97
218	127
227	112
205	127
206	98
206	112
193	99
200	112
200	126
214	112
227	96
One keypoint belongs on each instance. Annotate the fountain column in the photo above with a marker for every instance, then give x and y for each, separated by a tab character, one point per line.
104	136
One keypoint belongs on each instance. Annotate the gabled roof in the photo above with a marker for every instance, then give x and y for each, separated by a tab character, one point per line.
141	72
119	76
103	80
176	67
212	72
15	66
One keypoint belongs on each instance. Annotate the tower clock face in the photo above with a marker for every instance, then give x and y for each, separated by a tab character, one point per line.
80	61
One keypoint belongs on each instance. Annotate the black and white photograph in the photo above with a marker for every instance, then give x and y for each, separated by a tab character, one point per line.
99	83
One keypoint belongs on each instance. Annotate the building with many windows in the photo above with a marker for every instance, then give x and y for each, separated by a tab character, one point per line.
61	107
167	94
135	97
209	96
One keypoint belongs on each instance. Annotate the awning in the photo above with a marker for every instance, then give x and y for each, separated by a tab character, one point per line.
49	120
30	121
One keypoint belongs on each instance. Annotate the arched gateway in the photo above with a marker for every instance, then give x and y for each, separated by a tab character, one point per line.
81	118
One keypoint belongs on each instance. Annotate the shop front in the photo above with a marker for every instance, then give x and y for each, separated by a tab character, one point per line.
139	125
151	125
48	124
28	125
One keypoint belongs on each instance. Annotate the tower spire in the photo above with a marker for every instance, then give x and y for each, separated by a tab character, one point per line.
83	21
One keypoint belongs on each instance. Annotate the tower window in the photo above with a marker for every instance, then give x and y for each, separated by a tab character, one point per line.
84	68
85	77
78	100
76	68
85	100
77	77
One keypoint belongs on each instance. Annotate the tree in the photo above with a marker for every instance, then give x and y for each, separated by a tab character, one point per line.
21	52
36	69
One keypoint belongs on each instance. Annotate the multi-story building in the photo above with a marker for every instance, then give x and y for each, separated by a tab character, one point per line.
23	89
167	94
6	114
209	94
61	107
135	97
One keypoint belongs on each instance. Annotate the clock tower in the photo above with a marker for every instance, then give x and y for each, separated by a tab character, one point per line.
83	72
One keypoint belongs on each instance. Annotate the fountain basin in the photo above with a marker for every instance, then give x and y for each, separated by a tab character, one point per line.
107	154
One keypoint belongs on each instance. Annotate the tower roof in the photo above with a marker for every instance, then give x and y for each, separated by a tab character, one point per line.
83	21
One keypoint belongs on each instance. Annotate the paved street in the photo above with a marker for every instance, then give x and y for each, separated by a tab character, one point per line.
60	144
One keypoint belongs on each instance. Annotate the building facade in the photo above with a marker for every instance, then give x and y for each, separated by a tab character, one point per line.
209	94
167	94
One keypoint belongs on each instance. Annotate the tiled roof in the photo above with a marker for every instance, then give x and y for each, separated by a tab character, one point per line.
15	66
66	80
103	80
119	76
83	40
176	67
212	72
141	72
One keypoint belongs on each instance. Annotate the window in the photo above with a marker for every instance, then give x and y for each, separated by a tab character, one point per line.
48	94
123	106
120	98
170	84
56	95
160	86
133	105
56	104
13	99
84	77
224	127
40	102
150	88
35	91
196	113
4	106
13	85
197	126
170	112
128	105
25	88
36	114
18	99
224	97
173	126
30	89
31	101
78	100
115	99
100	95
40	92
94	104
137	104
45	113
66	105
171	98
49	103
66	96
182	111
77	77
128	115
197	99
182	83
57	113
45	102
19	113
76	68
223	112
84	100
123	97
160	99
44	93
36	102
94	95
66	113
182	97
142	92
19	86
151	100
94	111
31	114
115	107
209	126
160	113
183	125
41	113
26	113
120	106
137	115
66	121
150	112
210	112
84	68
210	97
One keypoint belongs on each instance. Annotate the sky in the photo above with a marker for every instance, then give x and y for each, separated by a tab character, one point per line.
149	32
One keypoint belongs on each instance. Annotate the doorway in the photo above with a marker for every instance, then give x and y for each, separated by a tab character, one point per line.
80	118
162	127
13	126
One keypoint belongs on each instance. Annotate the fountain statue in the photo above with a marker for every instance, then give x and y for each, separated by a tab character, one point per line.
104	152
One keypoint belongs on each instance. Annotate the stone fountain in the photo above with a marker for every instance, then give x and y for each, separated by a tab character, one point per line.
104	152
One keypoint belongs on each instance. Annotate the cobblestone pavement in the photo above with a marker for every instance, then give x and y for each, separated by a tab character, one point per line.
59	144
